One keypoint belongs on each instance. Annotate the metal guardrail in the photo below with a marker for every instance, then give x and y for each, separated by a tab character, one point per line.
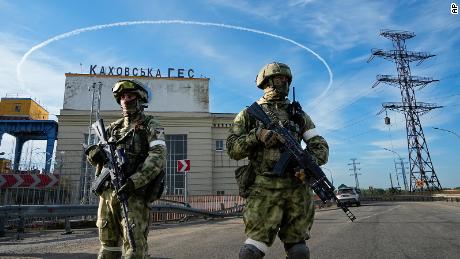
20	212
11	211
411	198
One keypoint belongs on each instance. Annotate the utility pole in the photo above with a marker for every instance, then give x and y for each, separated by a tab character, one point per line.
391	181
96	89
402	167
421	167
396	173
355	169
401	160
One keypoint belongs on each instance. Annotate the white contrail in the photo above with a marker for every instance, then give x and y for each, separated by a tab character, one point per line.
129	23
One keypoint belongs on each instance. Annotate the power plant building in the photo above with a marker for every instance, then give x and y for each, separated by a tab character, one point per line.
182	107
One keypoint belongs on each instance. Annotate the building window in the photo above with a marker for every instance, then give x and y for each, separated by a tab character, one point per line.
220	192
219	145
177	150
221	159
17	107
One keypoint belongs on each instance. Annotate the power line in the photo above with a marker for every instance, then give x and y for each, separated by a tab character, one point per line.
444	97
353	122
359	96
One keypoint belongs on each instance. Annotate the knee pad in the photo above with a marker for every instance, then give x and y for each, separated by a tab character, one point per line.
109	252
297	250
248	251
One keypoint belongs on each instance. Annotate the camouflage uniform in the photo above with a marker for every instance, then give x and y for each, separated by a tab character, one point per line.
145	150
280	205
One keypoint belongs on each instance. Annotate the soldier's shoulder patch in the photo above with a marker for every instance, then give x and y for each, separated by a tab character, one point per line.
151	121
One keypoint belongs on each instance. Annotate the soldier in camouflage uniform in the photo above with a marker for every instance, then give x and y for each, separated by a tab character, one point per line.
276	205
142	138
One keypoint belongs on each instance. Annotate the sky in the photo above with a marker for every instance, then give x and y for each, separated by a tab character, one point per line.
308	35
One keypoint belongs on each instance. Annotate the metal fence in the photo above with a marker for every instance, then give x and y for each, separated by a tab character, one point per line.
34	196
211	203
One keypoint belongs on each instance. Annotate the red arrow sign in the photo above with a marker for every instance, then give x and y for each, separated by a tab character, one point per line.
47	180
183	165
28	180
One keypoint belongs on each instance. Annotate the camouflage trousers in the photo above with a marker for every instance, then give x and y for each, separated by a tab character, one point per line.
112	225
279	208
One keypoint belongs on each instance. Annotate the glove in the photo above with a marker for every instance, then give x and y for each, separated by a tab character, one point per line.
269	137
127	189
300	173
95	155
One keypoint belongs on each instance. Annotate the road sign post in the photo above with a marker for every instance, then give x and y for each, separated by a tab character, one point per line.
185	187
184	166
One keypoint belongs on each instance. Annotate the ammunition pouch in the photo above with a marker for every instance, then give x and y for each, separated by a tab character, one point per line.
154	189
245	176
101	182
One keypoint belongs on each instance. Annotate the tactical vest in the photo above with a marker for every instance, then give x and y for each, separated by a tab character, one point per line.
135	143
264	159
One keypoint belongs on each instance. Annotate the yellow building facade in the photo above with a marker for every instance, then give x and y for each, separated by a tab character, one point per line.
5	166
22	109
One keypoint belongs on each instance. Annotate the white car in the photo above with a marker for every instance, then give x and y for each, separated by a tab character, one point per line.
349	196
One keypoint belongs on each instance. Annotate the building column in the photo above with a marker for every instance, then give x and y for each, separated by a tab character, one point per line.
51	137
17	152
1	136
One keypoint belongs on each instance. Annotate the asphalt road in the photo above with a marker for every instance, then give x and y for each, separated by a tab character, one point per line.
382	230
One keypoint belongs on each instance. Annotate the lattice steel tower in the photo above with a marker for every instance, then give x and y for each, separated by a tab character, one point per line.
94	115
422	173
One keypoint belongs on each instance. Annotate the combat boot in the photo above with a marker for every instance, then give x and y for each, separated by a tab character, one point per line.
297	251
248	251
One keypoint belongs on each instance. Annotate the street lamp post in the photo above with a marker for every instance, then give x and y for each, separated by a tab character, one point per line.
30	158
458	136
330	172
402	167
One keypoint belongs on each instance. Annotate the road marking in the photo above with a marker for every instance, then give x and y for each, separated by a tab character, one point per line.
378	213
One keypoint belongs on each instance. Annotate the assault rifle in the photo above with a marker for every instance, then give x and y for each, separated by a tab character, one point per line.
115	161
318	180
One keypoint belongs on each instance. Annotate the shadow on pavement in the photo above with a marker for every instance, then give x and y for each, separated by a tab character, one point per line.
377	204
406	222
59	256
49	256
29	238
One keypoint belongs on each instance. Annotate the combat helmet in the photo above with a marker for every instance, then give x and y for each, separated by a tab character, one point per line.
270	70
143	92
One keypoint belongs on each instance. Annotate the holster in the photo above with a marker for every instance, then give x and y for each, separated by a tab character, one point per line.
245	176
101	182
154	189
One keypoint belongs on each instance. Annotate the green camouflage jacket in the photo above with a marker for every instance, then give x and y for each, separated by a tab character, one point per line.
242	141
144	145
